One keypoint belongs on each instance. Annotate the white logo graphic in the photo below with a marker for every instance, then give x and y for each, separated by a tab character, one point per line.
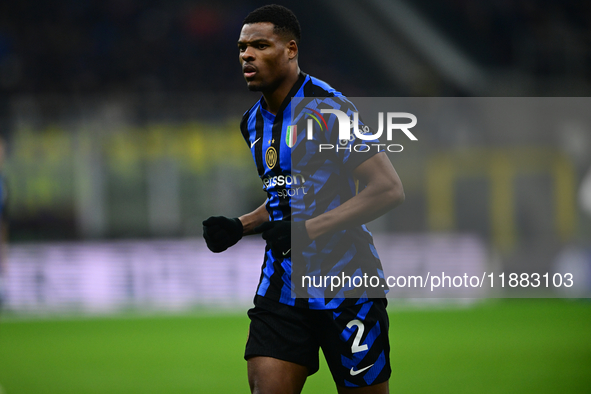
286	253
283	180
345	125
353	372
290	182
257	140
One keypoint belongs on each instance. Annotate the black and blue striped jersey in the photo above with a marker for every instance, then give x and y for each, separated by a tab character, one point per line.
303	182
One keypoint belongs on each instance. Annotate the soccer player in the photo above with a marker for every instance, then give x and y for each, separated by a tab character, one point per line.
286	332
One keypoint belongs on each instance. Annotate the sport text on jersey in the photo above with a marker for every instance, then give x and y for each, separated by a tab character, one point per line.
289	181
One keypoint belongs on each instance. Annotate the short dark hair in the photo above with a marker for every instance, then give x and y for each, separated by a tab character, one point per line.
285	21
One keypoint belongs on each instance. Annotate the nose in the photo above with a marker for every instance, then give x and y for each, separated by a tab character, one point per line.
248	54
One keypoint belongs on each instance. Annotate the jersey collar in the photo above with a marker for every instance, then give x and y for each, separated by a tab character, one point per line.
292	93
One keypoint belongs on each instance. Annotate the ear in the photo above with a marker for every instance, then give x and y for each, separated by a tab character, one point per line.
292	49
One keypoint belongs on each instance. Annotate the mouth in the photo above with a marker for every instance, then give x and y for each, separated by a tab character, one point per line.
249	71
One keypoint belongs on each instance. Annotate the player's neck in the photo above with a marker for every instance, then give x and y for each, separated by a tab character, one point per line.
275	98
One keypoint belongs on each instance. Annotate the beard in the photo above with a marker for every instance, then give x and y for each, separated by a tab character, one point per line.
253	87
264	86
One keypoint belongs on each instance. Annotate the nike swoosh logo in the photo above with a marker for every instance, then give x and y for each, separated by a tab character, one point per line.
353	372
257	140
286	253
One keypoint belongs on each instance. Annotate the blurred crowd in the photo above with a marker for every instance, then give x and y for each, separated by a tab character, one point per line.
87	46
549	37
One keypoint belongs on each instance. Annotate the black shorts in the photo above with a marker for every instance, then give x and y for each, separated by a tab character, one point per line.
354	339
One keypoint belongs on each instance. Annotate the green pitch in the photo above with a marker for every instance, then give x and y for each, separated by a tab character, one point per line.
510	346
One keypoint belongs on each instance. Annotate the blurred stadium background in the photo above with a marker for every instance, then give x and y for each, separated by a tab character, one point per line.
119	126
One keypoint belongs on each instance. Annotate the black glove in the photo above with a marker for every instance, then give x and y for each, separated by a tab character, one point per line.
278	235
221	232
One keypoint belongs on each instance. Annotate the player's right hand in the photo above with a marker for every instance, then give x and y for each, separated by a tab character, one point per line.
221	232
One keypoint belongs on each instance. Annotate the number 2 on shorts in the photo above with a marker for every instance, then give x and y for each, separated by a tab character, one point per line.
355	347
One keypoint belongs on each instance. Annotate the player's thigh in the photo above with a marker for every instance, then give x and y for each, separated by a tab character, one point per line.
282	332
356	346
267	375
281	349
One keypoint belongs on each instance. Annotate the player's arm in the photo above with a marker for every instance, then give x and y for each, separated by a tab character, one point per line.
221	232
382	193
254	219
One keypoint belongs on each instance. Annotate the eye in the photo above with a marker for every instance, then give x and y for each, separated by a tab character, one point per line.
262	46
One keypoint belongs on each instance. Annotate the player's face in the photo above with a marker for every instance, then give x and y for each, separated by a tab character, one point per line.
264	56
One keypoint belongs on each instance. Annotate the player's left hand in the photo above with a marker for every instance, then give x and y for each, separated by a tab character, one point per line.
278	235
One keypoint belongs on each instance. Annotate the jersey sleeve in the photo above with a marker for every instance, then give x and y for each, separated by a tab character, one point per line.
353	151
244	126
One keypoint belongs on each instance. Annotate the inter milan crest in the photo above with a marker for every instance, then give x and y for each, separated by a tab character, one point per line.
271	157
291	136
